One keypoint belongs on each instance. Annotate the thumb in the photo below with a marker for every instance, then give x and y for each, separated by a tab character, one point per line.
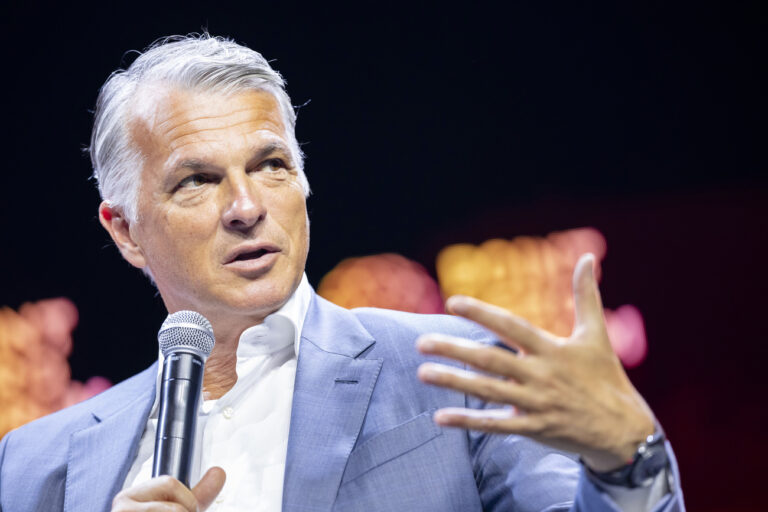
209	487
586	297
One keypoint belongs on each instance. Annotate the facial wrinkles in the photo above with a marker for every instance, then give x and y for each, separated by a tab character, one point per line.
211	120
179	138
182	115
157	109
226	140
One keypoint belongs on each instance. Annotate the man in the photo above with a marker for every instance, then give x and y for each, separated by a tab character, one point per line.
309	406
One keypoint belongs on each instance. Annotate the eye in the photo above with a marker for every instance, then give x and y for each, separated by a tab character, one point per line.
193	181
274	165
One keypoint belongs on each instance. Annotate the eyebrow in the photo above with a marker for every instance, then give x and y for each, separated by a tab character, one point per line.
270	148
195	164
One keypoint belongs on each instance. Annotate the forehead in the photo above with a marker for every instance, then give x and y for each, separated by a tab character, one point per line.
167	119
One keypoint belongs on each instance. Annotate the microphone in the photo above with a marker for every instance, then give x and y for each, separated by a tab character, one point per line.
186	340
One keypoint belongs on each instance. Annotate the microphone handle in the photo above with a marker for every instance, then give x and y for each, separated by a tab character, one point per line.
180	390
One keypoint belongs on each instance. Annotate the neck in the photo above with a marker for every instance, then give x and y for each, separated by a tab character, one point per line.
220	374
221	366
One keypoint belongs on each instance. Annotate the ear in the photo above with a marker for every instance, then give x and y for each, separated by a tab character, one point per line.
119	228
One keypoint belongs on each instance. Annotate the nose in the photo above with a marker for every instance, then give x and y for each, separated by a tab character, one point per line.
244	207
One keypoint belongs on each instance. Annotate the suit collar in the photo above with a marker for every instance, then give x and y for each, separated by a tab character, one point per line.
123	395
330	400
101	454
331	396
334	329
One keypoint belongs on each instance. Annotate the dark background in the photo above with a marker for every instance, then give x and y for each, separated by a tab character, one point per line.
454	123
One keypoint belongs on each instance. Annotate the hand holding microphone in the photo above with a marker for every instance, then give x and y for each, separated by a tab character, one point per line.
166	491
186	340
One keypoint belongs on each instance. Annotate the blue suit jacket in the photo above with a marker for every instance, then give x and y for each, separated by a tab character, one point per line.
361	435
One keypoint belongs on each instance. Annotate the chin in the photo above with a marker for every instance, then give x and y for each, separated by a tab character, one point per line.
259	300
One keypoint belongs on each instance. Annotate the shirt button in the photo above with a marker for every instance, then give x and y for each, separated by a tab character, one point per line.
228	412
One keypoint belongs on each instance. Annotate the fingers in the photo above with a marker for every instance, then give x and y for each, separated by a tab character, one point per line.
209	487
586	296
489	389
505	421
510	328
164	492
168	494
483	357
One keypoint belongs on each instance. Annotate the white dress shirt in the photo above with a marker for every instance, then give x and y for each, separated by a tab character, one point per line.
245	432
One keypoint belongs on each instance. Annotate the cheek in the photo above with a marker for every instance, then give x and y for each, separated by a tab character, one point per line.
291	216
182	233
197	221
300	226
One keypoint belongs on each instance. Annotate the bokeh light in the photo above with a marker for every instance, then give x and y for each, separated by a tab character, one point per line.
383	281
35	342
532	277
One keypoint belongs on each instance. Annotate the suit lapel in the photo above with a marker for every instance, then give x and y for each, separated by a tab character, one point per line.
101	455
330	400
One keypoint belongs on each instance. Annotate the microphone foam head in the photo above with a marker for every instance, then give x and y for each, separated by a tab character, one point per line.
186	330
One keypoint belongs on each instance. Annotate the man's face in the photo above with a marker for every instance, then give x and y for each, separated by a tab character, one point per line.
222	220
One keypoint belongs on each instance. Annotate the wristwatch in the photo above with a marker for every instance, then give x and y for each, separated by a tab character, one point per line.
649	460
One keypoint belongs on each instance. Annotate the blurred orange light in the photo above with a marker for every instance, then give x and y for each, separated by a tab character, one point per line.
34	373
532	277
383	281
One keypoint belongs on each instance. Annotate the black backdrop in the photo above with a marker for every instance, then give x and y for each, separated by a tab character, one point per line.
425	126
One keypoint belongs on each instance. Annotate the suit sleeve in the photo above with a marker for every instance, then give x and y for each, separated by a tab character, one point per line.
517	473
3	445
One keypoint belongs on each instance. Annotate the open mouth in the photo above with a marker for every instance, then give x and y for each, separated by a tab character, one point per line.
252	255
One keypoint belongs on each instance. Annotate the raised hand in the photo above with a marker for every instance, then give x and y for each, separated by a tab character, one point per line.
569	393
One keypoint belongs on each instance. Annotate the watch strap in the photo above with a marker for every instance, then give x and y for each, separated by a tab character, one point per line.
649	460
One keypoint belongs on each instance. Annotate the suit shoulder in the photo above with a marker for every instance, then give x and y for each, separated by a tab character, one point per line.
45	433
34	457
395	332
378	320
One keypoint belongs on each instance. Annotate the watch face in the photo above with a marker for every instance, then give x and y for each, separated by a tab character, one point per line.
651	462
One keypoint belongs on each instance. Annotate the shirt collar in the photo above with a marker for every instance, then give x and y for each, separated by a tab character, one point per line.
276	332
279	329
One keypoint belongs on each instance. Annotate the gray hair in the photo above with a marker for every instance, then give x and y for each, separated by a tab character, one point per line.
198	62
